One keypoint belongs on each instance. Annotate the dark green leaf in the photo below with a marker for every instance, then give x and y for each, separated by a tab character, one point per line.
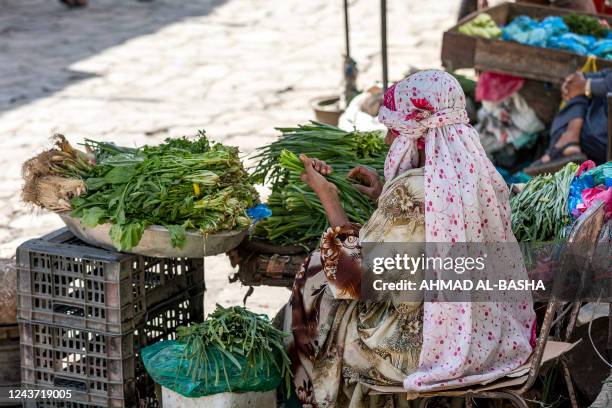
123	160
178	235
94	183
126	237
93	216
120	175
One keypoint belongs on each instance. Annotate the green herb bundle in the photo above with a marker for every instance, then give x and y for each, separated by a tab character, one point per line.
181	184
539	212
585	25
343	150
234	336
297	214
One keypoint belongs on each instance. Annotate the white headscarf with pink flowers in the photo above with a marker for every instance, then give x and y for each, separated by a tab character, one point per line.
466	200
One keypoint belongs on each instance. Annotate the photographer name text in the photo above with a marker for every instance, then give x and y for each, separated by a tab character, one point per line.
483	285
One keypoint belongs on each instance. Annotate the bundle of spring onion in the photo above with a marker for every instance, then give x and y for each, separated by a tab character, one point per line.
181	184
237	335
343	150
297	214
539	211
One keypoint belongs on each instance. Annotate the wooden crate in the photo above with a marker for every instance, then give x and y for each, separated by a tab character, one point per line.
263	264
541	64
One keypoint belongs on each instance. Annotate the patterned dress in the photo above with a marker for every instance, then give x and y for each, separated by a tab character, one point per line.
339	342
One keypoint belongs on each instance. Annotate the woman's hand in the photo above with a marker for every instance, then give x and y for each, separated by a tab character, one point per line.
326	191
574	85
314	171
322	167
369	182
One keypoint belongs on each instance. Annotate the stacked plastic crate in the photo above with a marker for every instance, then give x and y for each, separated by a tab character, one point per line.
84	314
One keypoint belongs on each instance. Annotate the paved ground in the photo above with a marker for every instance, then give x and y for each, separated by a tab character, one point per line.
136	73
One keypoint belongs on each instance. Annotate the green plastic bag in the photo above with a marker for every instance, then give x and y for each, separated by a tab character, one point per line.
165	364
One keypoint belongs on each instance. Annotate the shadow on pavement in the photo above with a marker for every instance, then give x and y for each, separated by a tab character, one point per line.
41	39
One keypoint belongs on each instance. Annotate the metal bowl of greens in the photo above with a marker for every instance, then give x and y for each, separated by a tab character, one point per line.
156	240
182	198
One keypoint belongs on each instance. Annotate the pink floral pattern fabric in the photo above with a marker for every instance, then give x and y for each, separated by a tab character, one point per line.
466	200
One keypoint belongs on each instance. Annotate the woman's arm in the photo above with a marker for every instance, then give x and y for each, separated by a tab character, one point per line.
331	202
326	191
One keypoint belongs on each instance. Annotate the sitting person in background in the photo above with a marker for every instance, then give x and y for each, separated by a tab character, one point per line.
580	129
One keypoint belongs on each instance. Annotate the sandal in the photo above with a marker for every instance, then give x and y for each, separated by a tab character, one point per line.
557	160
74	3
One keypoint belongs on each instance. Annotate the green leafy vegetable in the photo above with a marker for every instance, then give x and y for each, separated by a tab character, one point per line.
92	216
181	184
539	211
120	174
126	236
178	235
585	25
234	332
297	214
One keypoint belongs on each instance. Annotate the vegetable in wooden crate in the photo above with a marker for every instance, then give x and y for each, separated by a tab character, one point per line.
297	214
586	25
539	211
181	184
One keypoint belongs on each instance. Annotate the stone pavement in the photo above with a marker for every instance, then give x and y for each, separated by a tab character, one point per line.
135	73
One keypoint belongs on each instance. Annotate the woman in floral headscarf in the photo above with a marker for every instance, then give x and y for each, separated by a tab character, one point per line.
439	187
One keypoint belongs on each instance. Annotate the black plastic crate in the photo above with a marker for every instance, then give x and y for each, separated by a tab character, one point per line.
56	404
63	281
100	369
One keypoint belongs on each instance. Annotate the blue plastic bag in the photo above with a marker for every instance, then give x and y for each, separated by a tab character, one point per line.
525	23
259	212
580	44
582	181
554	25
602	48
526	30
538	37
552	32
587	41
518	30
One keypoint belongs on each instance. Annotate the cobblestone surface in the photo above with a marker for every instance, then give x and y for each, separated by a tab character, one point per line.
134	73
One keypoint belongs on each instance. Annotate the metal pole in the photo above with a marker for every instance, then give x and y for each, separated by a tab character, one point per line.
346	30
383	36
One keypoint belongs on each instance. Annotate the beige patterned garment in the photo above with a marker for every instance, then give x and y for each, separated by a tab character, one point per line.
339	342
